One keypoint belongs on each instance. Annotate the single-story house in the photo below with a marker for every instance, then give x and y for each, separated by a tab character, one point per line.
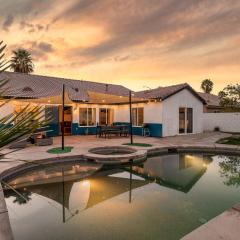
167	111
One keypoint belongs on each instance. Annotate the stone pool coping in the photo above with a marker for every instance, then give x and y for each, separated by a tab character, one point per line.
133	155
11	166
5	226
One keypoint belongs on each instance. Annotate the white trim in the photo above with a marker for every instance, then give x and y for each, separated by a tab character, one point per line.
137	107
87	116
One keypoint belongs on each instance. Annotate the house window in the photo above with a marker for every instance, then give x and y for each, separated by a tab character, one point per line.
87	116
105	116
137	116
185	120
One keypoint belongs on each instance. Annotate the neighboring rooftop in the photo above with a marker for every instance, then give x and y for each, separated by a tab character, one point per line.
22	85
165	92
211	99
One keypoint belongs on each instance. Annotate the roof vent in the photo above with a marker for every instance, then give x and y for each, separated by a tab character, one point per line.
27	89
106	87
75	89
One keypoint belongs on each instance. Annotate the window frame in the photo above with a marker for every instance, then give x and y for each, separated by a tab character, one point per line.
87	114
137	116
108	112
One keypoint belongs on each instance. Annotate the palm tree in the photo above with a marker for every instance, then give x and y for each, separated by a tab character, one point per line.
22	61
207	85
16	125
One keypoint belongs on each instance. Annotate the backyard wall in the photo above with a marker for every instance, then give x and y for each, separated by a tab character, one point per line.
227	122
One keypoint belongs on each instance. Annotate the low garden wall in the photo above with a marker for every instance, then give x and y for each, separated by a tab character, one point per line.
226	122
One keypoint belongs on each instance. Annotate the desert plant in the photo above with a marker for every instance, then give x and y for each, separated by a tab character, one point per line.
15	125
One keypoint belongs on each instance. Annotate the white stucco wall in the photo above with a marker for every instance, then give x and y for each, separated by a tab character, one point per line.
227	122
9	107
171	112
6	109
152	112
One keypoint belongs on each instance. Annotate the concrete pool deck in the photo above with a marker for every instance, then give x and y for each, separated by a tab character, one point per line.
82	144
11	159
224	226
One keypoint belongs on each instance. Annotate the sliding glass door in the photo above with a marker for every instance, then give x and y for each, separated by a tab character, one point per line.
189	120
185	120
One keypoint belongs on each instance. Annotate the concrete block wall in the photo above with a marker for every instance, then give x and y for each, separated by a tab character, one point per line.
227	122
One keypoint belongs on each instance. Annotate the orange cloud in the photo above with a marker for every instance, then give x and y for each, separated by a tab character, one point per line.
134	43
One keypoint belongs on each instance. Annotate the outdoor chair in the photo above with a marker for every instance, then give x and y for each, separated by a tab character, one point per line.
124	131
145	130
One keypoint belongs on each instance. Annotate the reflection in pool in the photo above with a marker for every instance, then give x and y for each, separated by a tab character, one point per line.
164	198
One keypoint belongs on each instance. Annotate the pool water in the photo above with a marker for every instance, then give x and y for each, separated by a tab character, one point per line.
166	197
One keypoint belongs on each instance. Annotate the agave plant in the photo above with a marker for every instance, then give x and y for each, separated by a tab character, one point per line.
16	125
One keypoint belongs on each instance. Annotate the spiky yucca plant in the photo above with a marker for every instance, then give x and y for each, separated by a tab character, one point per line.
16	125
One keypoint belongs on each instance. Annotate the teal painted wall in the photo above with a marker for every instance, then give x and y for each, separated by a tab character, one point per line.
53	126
154	128
76	130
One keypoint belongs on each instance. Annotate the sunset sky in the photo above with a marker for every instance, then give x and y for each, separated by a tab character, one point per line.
136	43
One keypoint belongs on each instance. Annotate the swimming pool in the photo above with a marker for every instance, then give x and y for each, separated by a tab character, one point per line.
165	197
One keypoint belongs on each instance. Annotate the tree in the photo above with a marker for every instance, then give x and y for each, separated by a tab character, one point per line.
230	96
22	61
230	170
16	125
207	85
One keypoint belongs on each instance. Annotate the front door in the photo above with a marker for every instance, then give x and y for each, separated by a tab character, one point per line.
67	120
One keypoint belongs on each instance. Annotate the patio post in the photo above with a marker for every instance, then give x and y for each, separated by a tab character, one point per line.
130	114
63	103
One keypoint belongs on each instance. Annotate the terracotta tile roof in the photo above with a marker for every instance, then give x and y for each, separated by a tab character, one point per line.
36	86
211	99
165	92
